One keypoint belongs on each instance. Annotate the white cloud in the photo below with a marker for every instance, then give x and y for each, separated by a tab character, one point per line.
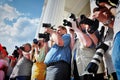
8	12
22	31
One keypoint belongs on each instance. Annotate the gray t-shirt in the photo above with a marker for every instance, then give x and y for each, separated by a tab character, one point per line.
84	56
22	68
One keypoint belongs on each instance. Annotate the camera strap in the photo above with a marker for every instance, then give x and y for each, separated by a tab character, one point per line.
105	35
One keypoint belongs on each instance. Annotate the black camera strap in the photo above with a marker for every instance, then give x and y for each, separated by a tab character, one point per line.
104	37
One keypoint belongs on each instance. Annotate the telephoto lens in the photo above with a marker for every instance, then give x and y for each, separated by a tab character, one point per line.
97	58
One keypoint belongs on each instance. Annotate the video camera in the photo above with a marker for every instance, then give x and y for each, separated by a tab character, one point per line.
48	25
46	36
93	24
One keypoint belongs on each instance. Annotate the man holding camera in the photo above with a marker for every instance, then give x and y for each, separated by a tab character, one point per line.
85	49
109	8
116	43
104	16
58	58
22	70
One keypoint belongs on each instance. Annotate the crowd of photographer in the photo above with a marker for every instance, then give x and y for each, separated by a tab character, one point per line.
80	49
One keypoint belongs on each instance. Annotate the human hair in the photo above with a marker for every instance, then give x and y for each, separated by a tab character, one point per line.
29	46
63	28
103	9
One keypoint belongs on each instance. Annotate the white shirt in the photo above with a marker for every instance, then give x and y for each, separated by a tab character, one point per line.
116	26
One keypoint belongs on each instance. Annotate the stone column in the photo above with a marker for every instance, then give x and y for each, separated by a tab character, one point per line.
53	11
92	6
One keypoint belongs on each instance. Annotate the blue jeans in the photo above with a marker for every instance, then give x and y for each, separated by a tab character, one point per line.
116	54
22	78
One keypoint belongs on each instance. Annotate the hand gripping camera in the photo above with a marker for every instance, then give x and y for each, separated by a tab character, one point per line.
94	24
93	66
68	23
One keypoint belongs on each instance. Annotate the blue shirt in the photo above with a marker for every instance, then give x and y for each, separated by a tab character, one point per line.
57	53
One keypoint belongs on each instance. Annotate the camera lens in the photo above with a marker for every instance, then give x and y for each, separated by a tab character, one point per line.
35	41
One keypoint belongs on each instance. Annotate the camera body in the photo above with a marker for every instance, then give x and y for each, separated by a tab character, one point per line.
72	16
15	52
46	36
35	41
67	23
21	47
93	24
46	25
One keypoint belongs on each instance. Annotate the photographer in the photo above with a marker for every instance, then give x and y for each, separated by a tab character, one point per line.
58	57
22	70
104	15
115	10
39	50
85	49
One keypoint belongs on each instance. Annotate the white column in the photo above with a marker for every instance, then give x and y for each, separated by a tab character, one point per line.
53	11
92	5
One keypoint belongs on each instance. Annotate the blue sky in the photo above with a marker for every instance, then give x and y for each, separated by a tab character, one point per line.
19	20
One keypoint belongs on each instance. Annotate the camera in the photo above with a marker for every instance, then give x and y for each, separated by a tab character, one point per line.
72	16
21	47
46	36
93	24
93	66
67	23
46	25
97	58
35	41
15	54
